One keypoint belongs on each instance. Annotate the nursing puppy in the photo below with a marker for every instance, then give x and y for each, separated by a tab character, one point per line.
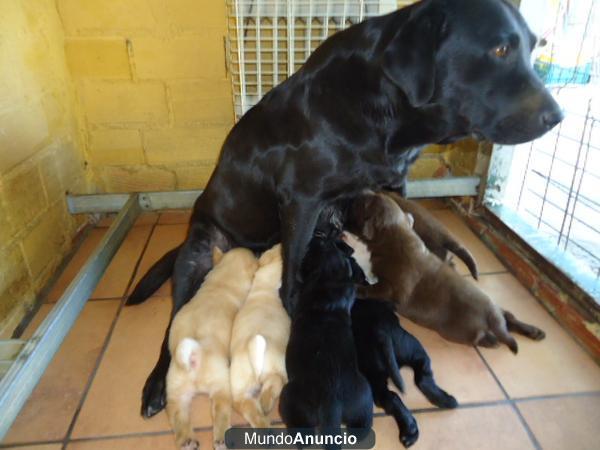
424	288
260	335
434	234
325	385
382	347
199	342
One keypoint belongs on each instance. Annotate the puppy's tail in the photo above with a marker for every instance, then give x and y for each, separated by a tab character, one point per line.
497	324
188	354
389	357
465	256
257	346
160	272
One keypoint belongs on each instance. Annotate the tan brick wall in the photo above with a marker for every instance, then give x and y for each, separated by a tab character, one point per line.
151	81
40	153
157	101
441	161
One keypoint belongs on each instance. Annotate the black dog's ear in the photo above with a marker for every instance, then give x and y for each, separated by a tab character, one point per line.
409	58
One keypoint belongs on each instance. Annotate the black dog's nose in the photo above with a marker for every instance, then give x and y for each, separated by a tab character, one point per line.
552	118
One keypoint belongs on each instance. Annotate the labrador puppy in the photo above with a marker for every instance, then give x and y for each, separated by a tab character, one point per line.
199	340
325	387
424	288
434	234
383	347
258	342
354	117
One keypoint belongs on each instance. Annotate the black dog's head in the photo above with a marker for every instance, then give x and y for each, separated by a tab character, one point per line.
329	260
474	58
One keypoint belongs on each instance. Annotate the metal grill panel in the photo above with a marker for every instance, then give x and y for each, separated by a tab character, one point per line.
553	183
268	40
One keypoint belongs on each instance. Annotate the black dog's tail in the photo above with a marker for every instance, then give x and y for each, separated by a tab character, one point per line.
465	256
389	358
160	272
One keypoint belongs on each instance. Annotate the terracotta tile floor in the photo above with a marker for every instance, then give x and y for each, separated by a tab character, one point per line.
548	396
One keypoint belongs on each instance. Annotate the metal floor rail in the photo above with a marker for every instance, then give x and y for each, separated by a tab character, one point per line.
23	362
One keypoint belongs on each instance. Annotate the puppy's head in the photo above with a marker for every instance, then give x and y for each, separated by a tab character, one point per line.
329	259
372	213
271	256
240	260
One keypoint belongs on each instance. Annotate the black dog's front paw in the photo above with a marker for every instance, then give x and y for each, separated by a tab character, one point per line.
409	433
154	396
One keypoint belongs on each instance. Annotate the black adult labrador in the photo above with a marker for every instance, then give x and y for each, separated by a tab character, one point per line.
352	118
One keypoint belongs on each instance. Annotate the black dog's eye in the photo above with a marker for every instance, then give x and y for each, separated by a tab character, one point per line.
501	51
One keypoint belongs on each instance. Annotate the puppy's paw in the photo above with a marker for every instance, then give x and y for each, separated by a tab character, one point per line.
219	445
410	433
536	334
190	444
447	401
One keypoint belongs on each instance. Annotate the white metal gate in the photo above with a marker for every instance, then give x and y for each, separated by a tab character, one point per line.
268	40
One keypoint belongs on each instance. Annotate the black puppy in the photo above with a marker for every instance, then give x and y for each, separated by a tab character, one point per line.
325	387
382	347
353	118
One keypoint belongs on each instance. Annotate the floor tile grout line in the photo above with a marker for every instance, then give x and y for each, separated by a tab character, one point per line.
105	344
582	394
511	402
31	444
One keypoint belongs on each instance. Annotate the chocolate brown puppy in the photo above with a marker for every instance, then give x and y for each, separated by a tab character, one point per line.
424	288
434	234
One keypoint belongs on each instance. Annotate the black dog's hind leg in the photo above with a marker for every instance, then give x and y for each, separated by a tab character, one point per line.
393	406
193	263
411	353
160	272
298	221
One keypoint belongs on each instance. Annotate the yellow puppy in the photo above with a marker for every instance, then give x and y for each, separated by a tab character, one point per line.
260	334
199	342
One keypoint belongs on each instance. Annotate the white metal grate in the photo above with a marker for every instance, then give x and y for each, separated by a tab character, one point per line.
553	183
268	40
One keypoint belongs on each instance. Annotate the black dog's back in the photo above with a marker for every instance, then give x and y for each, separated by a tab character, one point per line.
325	386
382	347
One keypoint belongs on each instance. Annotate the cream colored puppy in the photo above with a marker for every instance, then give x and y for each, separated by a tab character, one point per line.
199	342
260	334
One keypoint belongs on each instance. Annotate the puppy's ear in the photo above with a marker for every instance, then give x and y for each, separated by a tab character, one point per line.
409	59
217	255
